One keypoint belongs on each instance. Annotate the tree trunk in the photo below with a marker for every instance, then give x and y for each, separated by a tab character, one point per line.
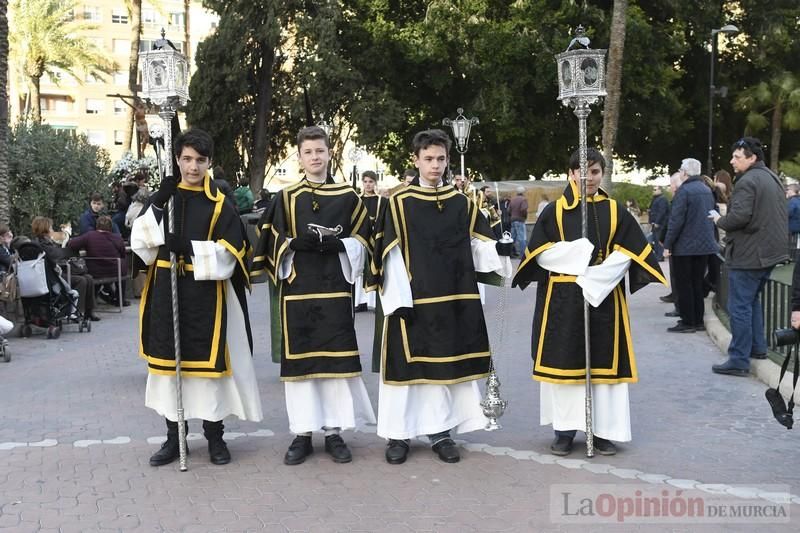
135	20
187	49
4	205
258	163
775	136
616	48
36	104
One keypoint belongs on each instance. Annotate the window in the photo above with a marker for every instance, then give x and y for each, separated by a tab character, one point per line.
145	45
149	16
177	19
120	77
94	106
91	13
119	137
119	16
56	103
96	137
122	46
280	172
119	107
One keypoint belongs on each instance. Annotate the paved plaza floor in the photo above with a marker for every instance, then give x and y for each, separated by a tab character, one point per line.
75	439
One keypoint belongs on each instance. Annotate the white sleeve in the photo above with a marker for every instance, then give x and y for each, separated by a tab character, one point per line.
567	257
285	268
212	261
396	287
486	259
352	259
147	235
600	280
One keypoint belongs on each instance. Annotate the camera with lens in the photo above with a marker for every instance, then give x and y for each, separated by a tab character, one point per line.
786	337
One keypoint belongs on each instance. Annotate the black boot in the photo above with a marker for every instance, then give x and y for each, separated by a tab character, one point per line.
217	449
169	450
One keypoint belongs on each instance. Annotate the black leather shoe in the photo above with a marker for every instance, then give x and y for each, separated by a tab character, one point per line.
337	449
668	299
218	452
758	356
168	453
680	327
94	318
396	451
700	327
561	446
604	446
728	369
672	314
447	451
299	449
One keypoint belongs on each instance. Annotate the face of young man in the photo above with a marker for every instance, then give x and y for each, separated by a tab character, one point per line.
458	182
314	157
740	162
193	166
594	176
431	163
97	205
369	186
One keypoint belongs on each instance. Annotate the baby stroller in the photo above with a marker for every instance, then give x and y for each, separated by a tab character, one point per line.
47	300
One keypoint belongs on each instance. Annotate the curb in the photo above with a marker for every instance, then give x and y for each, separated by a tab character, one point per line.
765	370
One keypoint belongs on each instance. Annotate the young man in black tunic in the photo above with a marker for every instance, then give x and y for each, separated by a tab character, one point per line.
320	364
430	243
216	344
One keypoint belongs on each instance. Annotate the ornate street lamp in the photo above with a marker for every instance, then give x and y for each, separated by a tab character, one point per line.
462	126
326	127
355	155
712	90
165	83
581	83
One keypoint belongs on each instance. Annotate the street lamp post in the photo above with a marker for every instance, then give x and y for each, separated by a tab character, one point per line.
461	129
712	90
355	154
581	83
165	83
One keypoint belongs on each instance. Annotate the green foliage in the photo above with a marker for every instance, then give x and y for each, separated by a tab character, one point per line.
52	173
641	194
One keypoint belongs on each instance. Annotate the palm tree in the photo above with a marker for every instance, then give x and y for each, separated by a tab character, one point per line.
616	47
48	38
135	19
778	98
4	211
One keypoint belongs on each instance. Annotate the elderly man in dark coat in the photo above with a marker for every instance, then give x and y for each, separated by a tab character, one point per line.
756	241
690	240
103	248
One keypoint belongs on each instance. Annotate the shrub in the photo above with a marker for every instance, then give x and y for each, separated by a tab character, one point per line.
52	173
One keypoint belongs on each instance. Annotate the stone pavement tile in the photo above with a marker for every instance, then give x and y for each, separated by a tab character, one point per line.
122	523
9	520
24	527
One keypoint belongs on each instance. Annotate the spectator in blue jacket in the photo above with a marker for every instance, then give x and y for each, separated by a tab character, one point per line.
690	240
88	220
793	208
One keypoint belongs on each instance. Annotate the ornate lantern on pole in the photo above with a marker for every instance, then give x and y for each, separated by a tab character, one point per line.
581	83
355	155
326	126
462	126
165	83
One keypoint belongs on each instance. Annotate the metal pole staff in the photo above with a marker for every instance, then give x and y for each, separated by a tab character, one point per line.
167	112
582	111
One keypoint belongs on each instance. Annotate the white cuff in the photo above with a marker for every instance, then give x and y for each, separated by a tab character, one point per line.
598	281
567	257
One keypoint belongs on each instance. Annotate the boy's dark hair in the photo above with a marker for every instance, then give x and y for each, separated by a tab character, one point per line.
312	133
104	223
219	173
195	138
369	174
593	156
751	146
96	197
428	138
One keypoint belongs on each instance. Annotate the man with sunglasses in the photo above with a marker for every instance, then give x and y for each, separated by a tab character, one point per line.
755	242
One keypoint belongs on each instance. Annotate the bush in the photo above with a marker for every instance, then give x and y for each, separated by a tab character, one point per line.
52	173
643	194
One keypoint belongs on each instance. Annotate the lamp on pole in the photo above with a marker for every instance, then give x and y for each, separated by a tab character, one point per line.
581	83
355	154
326	126
165	83
712	90
461	129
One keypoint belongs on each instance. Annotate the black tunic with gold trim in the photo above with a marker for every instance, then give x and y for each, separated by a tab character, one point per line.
447	340
318	338
372	203
201	214
558	338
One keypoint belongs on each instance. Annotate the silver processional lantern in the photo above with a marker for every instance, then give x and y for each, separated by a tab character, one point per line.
462	126
325	126
582	83
165	83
